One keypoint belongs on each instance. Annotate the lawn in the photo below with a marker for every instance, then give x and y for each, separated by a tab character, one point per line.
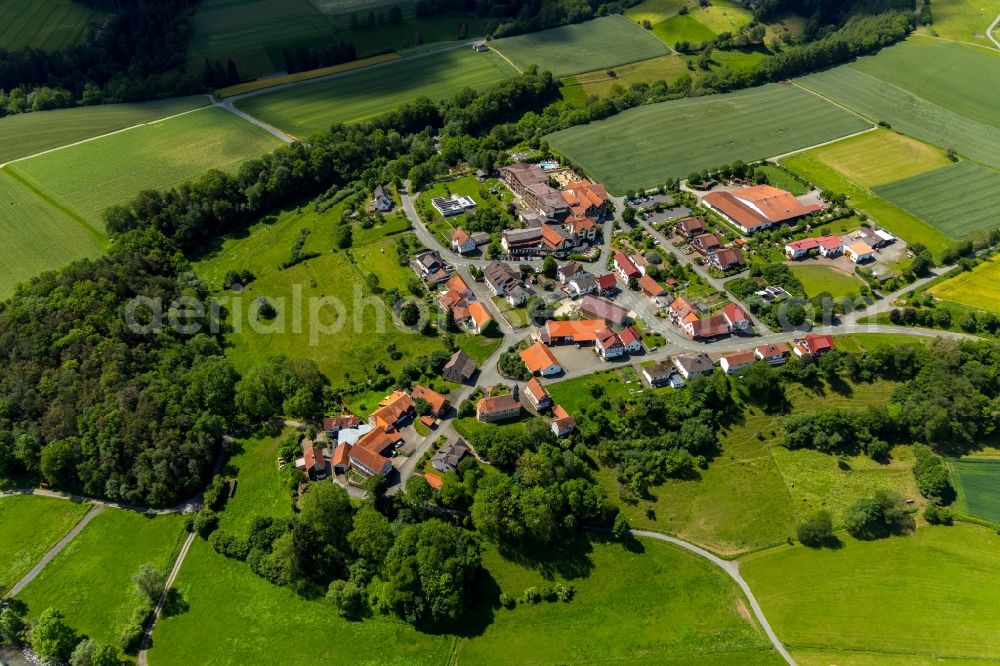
36	236
259	491
977	481
478	347
91	579
782	179
366	93
253	33
576	394
976	288
582	47
665	68
29	527
880	157
25	134
517	317
682	29
958	199
644	146
964	20
232	616
48	25
817	278
898	221
656	605
934	593
856	342
886	100
470	187
89	177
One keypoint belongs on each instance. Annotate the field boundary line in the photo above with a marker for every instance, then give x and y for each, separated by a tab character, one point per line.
989	31
147	634
107	134
55	550
253	120
933	655
93	231
509	61
837	104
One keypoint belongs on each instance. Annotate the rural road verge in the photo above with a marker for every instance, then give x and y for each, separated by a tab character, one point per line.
733	569
147	634
55	550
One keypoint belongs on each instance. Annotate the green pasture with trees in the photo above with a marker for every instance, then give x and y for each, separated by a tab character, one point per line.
90	177
581	47
643	147
929	594
90	581
29	527
364	94
48	25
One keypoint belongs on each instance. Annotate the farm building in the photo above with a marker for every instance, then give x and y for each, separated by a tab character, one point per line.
859	252
827	246
759	207
438	403
459	368
600	308
480	46
540	361
392	410
575	331
333	425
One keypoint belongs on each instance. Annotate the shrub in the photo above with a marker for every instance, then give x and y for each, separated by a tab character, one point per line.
548	594
229	545
878	516
130	636
507	601
206	521
346	598
816	531
621	527
565	592
936	515
532	595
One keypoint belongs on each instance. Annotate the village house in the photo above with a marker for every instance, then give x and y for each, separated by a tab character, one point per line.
705	243
313	461
641	262
693	364
556	241
438	403
567	271
689	227
381	200
334	424
632	340
607	284
759	207
584	228
462	242
651	287
522	242
681	308
706	327
537	395
813	345
874	238
659	374
859	252
625	267
608	345
726	259
540	361
430	267
448	456
574	331
341	460
457	284
500	277
480	317
369	463
459	369
827	246
736	317
498	408
600	308
392	411
773	354
736	361
562	423
582	283
480	46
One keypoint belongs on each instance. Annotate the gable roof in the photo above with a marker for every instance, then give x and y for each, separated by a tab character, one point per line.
341	455
497	403
378	440
860	249
734	313
604	309
739	358
607	281
707	240
729	257
607	339
583	195
479	314
562	419
456	283
710	326
460	236
570	269
553	236
773	349
392	408
815	343
369	459
691	223
434	481
432	398
578	330
461	363
535	388
650	286
625	264
758	205
340	422
538	357
630	335
694	362
682	307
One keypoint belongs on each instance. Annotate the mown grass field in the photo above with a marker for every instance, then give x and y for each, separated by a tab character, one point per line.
976	288
963	20
897	220
932	594
665	68
657	605
682	29
958	199
817	278
880	157
253	33
259	492
29	527
91	579
36	236
977	481
783	180
367	93
644	146
91	176
48	25
582	47
272	81
30	133
719	16
412	32
951	124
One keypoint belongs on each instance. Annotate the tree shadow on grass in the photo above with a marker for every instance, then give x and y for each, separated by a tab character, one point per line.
483	607
569	558
176	604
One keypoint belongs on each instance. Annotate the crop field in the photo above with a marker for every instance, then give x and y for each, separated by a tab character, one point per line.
942	118
964	20
48	25
582	47
660	602
976	288
29	527
367	93
412	32
817	278
644	146
36	236
253	33
934	593
898	221
665	68
91	579
89	177
30	133
977	481
880	157
957	199
272	81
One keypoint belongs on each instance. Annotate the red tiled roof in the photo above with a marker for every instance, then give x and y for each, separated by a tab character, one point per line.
369	459
341	455
578	330
551	237
606	338
538	357
729	257
340	422
437	401
829	242
775	349
650	286
479	314
581	223
740	358
814	343
607	281
314	458
460	236
377	440
535	388
582	195
804	245
427	420
456	283
625	264
434	481
392	408
682	307
735	313
562	419
450	299
629	335
497	403
761	204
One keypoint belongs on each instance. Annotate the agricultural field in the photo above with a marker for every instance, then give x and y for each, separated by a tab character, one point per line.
818	278
975	289
581	47
718	16
30	133
958	199
36	236
29	527
630	606
254	33
644	146
273	81
898	221
682	29
367	93
931	594
665	68
48	25
89	177
91	579
782	179
963	20
412	33
952	124
977	481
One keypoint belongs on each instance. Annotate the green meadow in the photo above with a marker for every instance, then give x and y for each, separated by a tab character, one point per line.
817	278
48	25
977	481
29	527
